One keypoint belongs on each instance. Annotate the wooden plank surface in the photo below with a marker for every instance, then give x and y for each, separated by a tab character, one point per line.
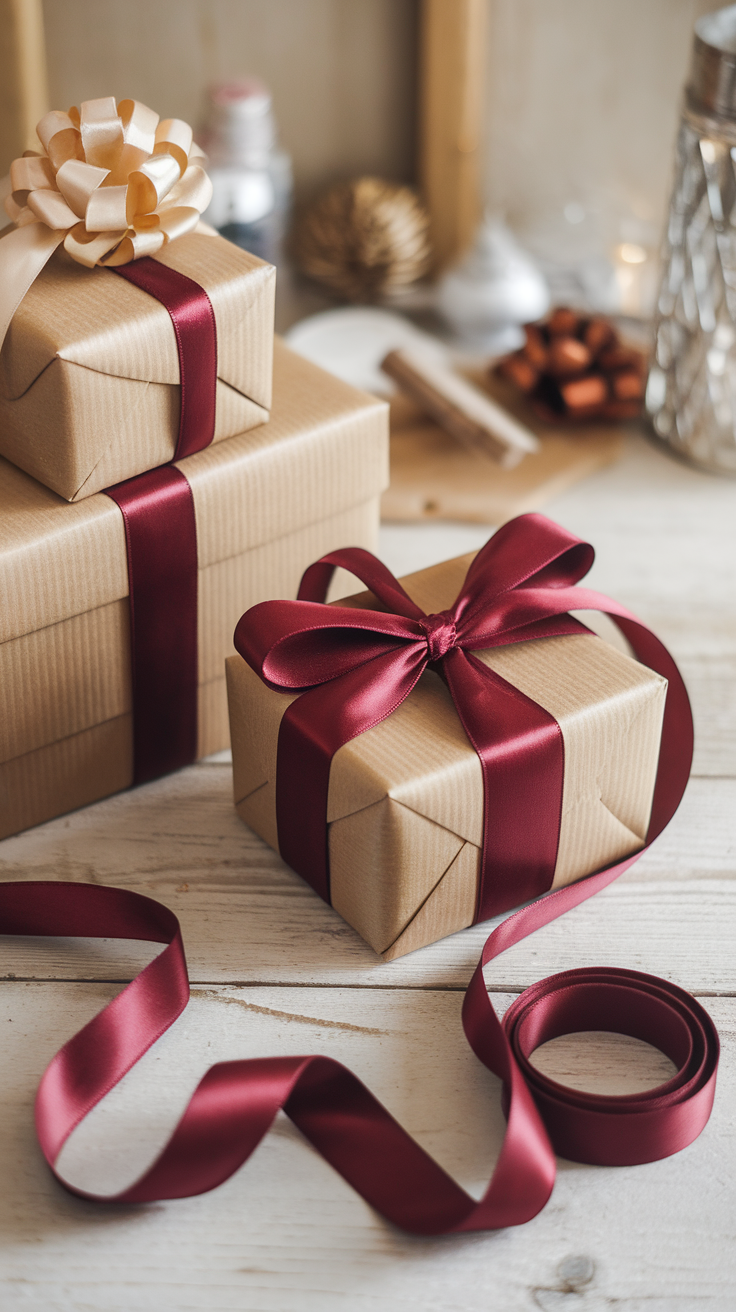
276	971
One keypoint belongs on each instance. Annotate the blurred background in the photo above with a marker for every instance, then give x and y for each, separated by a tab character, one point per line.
581	96
538	136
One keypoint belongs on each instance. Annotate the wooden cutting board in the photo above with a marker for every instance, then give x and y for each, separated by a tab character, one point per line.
434	477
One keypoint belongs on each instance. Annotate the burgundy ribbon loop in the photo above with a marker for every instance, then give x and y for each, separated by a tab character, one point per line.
235	1102
353	667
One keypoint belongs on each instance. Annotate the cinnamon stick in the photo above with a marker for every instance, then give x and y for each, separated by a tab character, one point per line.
460	408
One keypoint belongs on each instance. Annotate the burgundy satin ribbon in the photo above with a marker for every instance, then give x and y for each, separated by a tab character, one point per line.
161	540
353	667
193	319
161	544
235	1103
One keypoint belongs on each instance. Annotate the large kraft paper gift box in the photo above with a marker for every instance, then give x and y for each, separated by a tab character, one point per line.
405	802
89	369
266	503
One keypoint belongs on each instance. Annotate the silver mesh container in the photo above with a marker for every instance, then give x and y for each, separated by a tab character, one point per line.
691	390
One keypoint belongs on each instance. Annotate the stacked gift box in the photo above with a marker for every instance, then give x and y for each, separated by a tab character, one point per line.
90	395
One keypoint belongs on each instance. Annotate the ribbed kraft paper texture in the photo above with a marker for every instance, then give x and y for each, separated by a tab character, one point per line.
65	672
406	798
324	450
89	370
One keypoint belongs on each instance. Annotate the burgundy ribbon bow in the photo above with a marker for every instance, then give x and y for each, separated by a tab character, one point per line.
353	667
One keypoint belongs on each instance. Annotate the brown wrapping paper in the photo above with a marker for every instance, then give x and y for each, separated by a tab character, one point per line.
267	503
89	371
405	807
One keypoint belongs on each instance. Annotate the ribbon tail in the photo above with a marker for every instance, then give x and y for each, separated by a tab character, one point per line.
23	254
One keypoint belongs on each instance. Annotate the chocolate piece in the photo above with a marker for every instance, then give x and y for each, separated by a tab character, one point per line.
568	357
585	393
574	368
621	357
563	322
520	372
628	386
597	335
535	349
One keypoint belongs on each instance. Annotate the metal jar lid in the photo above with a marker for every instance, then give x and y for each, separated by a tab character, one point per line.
712	86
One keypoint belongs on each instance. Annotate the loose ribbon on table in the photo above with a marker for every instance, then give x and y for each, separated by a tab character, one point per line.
111	182
353	667
235	1103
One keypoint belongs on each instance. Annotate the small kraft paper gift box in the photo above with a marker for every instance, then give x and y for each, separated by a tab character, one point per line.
90	375
437	751
131	333
73	728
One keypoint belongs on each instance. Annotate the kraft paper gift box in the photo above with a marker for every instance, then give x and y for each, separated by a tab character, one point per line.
89	370
405	805
266	504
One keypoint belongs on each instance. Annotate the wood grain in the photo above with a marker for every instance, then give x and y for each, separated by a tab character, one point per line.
23	89
452	79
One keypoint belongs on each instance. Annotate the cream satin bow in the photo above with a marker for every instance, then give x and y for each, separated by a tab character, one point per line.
113	184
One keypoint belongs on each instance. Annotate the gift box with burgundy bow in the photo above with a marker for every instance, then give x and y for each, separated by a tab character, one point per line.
439	750
111	293
118	610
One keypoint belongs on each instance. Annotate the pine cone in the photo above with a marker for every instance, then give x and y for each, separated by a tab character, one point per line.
364	239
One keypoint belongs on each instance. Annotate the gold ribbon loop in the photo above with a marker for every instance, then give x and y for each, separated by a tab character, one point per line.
174	137
107	210
102	132
76	181
139	125
149	185
30	172
90	248
194	191
51	208
113	183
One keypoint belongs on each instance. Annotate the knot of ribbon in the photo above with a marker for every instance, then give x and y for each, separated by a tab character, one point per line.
441	634
112	182
354	666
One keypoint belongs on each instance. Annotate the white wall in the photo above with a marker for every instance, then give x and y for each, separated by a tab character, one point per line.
583	104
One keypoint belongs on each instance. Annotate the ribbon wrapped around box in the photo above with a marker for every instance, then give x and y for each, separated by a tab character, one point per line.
111	292
236	522
487	746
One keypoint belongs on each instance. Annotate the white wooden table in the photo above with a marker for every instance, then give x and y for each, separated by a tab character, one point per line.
276	971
